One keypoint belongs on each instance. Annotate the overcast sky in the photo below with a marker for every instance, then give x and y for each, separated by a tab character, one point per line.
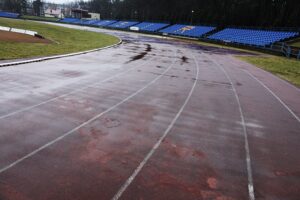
59	1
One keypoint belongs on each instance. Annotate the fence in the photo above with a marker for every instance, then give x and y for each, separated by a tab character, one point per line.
285	49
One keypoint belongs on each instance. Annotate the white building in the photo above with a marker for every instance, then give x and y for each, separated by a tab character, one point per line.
49	12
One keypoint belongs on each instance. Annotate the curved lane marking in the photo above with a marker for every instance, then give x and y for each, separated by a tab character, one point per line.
3	169
69	93
158	143
247	149
274	95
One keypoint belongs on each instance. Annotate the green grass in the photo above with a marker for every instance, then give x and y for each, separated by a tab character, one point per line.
39	18
288	69
296	44
66	40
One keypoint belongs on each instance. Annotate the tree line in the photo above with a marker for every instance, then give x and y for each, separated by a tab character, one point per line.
218	12
21	6
18	6
266	13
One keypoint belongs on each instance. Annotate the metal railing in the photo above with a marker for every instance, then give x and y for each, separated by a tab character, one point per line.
285	49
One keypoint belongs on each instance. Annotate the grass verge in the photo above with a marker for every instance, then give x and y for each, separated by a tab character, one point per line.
296	44
51	19
65	40
288	69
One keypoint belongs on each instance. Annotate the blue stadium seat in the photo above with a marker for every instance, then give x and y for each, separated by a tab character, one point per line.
188	31
69	20
9	14
122	24
150	27
80	21
91	22
104	22
251	37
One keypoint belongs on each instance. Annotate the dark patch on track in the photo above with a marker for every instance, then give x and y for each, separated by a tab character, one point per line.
142	54
149	48
184	59
71	74
111	123
138	57
127	41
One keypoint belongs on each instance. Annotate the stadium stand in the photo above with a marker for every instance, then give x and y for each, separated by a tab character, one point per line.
122	24
84	21
91	22
9	14
79	21
69	20
251	37
104	22
188	31
151	27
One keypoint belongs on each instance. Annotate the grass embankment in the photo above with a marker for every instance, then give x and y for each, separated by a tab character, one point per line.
288	69
65	40
294	42
51	19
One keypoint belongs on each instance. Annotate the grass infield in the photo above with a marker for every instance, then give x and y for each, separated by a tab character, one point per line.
64	40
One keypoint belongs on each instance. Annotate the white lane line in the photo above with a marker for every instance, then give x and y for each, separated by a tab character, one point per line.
272	75
158	143
247	149
276	97
69	93
85	123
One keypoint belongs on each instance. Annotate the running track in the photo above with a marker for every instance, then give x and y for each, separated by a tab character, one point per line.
149	119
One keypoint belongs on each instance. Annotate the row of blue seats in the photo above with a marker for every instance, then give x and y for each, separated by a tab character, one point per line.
177	29
232	35
94	22
189	31
9	14
151	27
69	20
252	37
123	24
145	26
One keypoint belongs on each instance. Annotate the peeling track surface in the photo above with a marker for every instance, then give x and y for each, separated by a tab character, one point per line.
149	119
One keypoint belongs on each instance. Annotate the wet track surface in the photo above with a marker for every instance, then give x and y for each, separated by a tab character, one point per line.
149	119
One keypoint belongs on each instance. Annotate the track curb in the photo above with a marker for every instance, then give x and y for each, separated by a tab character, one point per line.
59	56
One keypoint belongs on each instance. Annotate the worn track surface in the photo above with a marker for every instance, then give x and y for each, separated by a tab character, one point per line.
149	119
